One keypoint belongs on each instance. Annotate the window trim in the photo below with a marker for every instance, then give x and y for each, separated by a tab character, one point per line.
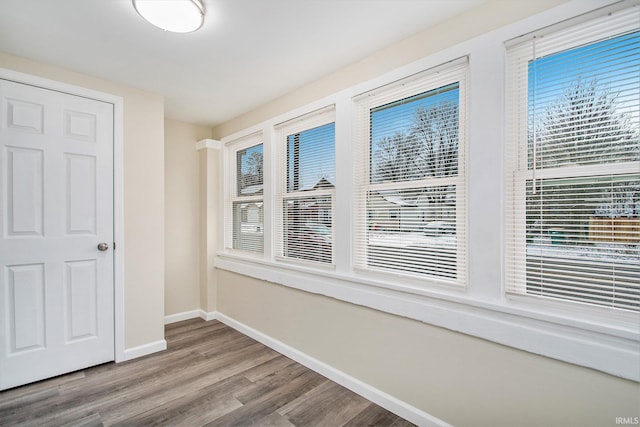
585	336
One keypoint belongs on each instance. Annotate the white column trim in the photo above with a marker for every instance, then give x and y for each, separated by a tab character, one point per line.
208	143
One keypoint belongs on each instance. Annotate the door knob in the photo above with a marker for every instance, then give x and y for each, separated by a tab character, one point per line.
103	246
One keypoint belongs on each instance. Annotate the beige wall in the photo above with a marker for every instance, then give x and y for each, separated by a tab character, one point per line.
462	380
182	216
143	196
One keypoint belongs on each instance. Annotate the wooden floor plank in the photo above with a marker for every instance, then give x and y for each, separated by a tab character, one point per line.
268	369
327	405
374	415
108	386
277	379
210	374
401	422
272	420
195	408
269	402
38	386
198	331
141	400
17	402
93	420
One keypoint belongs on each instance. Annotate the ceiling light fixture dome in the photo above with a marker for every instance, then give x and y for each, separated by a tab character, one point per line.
178	16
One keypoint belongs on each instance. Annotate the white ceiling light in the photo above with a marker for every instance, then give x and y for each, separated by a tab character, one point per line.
178	16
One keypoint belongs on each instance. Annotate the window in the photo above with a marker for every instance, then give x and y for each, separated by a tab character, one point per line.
546	178
410	177
246	204
306	188
573	178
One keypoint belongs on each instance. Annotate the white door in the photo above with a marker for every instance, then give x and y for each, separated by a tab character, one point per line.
56	207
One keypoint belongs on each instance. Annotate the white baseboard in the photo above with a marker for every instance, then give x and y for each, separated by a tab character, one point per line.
186	315
143	350
379	397
179	317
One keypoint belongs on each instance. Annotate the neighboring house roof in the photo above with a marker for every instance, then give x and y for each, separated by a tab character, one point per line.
323	183
319	185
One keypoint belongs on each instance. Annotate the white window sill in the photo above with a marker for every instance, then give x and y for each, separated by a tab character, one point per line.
551	329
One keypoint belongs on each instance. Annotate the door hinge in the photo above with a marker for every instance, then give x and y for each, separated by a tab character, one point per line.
114	246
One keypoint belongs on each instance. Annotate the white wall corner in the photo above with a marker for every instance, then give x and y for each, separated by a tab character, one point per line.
207	316
208	143
193	314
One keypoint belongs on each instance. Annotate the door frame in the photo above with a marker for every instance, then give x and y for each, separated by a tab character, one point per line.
118	186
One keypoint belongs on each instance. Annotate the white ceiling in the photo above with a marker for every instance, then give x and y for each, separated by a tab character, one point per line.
247	53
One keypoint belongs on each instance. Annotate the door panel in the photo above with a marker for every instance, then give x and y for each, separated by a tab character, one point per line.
26	302
24	191
24	116
56	205
80	299
80	126
80	194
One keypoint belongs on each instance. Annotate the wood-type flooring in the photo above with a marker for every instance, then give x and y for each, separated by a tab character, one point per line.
209	375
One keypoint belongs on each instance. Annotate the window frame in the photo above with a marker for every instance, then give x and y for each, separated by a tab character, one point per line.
309	121
452	72
519	54
231	193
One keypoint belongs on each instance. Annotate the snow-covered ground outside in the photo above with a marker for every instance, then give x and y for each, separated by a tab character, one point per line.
598	251
411	239
541	248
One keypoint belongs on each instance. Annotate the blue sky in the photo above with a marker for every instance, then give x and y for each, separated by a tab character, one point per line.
615	63
317	156
245	155
396	116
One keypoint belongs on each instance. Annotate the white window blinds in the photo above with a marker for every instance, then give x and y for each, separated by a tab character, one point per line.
306	188
245	205
573	162
409	169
